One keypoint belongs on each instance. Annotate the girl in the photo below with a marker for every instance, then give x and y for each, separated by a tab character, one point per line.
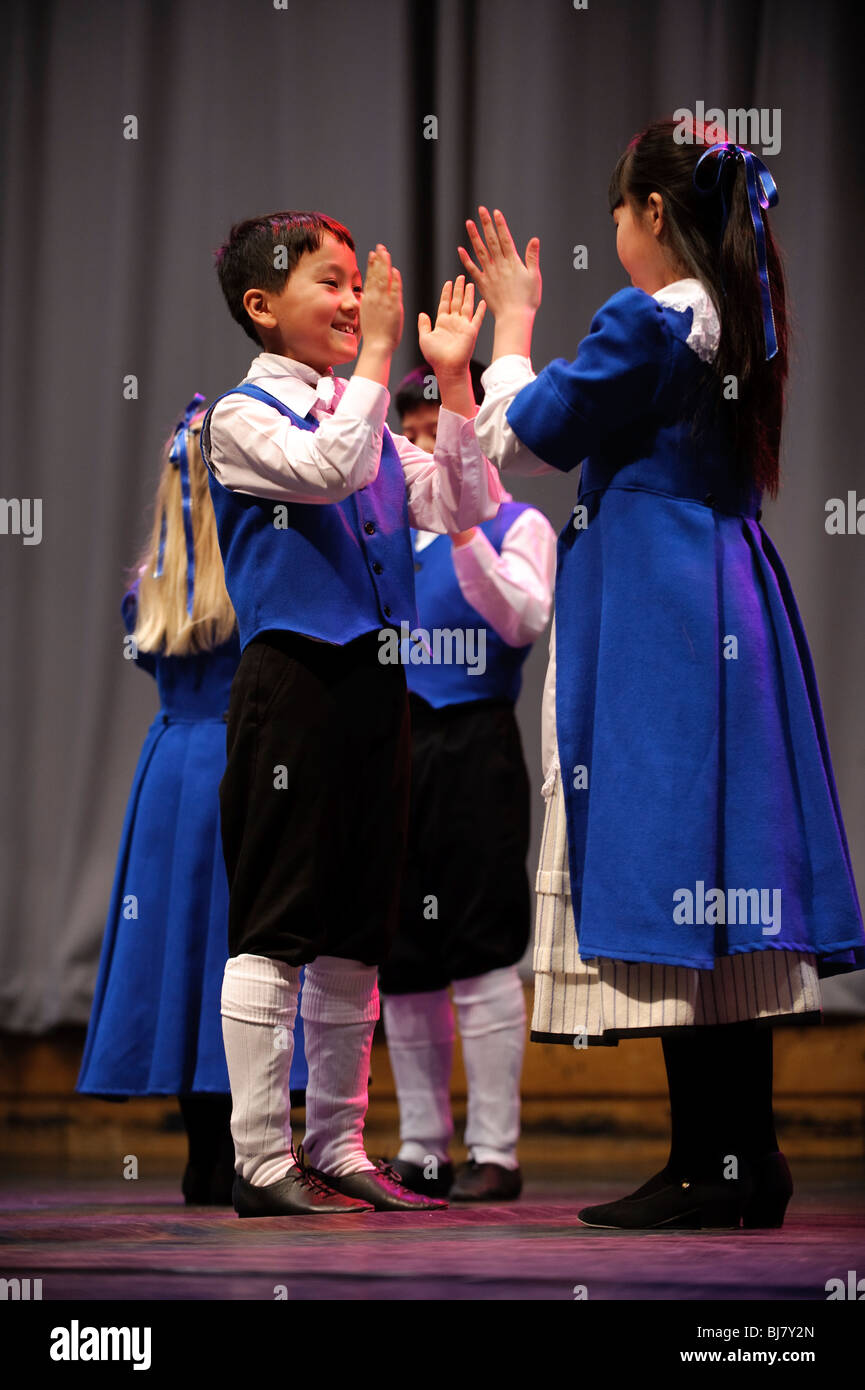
156	1028
695	879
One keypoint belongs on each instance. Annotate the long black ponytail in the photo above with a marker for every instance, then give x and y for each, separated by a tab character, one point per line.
655	162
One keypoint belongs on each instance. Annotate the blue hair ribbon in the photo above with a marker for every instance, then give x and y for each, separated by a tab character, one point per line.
178	454
762	193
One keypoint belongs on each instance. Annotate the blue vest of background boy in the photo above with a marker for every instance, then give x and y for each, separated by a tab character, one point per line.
441	604
328	570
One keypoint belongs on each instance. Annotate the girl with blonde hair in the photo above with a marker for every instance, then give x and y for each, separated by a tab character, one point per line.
155	1028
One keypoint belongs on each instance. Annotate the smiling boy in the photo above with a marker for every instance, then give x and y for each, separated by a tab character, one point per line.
314	499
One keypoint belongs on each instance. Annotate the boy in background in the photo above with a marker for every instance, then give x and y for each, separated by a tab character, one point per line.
465	909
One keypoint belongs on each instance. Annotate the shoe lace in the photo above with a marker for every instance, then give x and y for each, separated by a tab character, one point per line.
307	1175
387	1170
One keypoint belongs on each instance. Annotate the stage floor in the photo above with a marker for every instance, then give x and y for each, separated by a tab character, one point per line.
98	1237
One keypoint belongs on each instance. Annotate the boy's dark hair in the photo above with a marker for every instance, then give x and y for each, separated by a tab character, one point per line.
419	387
248	258
655	163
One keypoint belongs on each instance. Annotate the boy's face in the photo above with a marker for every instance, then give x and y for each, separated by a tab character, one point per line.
315	317
419	425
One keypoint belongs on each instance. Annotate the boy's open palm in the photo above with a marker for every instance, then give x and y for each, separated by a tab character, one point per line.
505	281
449	345
381	308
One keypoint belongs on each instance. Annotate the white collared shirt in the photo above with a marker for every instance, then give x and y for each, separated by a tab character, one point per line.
512	591
257	451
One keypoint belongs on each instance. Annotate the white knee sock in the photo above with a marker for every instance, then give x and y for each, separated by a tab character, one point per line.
259	1006
339	1008
492	1021
420	1043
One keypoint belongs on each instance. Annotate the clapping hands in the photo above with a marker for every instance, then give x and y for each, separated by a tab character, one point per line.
508	284
449	345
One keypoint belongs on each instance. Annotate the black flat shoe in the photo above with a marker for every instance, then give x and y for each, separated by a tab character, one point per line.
773	1188
299	1193
486	1182
764	1209
654	1184
384	1190
679	1205
411	1175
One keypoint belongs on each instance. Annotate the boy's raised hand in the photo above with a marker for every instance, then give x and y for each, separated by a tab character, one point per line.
506	283
449	345
381	308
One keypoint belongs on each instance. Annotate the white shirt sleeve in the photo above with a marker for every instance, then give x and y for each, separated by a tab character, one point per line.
455	487
512	591
502	381
255	450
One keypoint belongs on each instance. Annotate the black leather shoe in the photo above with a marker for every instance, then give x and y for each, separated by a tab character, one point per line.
411	1175
660	1180
773	1188
486	1182
764	1209
678	1205
383	1188
299	1193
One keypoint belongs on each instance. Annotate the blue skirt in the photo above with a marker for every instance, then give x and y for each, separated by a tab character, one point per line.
691	740
156	1027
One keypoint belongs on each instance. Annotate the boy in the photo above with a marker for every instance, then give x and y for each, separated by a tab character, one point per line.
313	500
468	840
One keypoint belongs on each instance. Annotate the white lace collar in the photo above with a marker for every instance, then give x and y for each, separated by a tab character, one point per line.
705	331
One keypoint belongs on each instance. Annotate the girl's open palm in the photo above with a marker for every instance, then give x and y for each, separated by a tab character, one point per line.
505	281
450	344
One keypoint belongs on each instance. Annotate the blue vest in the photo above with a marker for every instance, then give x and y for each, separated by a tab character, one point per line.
328	570
441	604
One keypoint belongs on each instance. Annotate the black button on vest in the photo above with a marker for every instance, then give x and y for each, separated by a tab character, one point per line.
710	499
386	610
369	527
377	568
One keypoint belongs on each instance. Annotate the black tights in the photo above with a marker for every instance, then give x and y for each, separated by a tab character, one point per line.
720	1081
207	1120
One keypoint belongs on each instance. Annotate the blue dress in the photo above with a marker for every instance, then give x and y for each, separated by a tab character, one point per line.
155	1027
685	687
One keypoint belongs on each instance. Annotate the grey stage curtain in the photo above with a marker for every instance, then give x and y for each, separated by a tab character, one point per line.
242	108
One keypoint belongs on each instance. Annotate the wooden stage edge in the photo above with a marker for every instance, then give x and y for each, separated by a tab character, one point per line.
601	1104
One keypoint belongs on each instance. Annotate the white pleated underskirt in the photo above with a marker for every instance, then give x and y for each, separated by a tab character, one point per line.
606	999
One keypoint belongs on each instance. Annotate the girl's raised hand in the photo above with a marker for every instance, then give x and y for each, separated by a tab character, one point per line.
449	345
506	282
